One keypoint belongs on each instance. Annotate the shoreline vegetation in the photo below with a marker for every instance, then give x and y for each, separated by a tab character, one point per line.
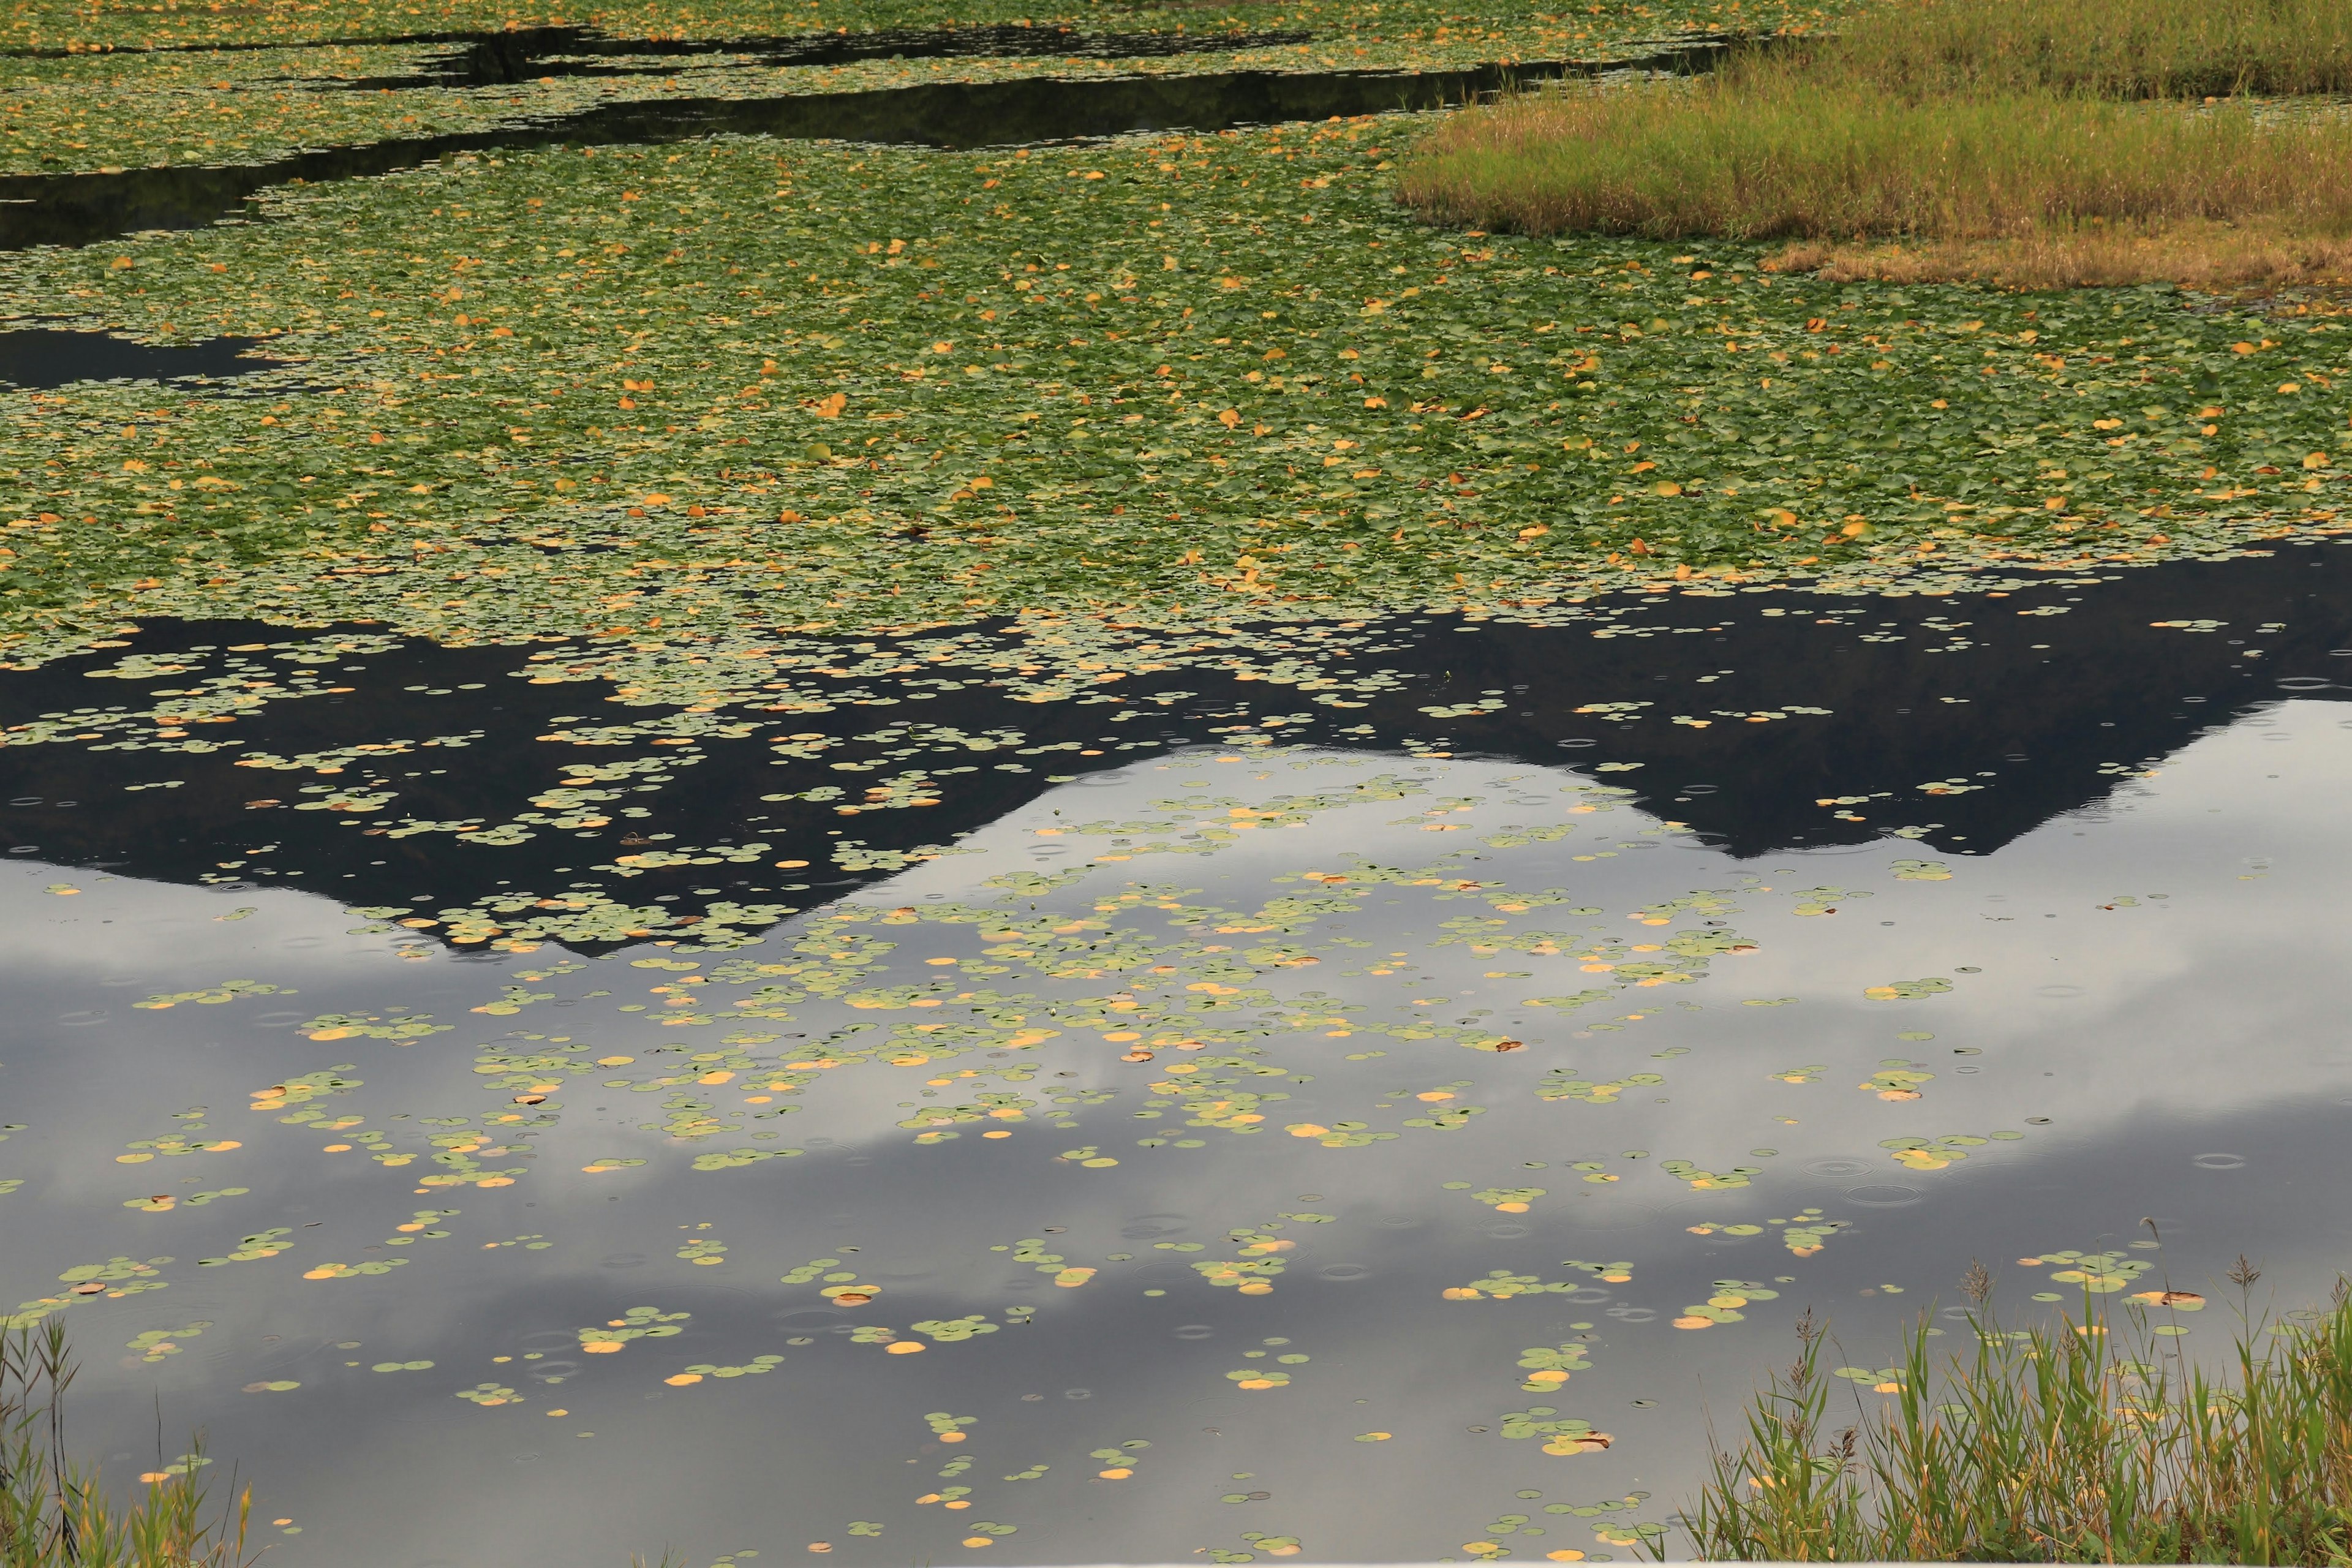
55	1514
2091	1441
2033	145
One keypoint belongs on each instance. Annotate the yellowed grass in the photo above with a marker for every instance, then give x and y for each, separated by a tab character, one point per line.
2211	257
2035	189
2033	143
2107	48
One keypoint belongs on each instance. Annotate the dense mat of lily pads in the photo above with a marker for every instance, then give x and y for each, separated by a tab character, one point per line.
103	88
86	113
105	113
602	391
144	100
51	26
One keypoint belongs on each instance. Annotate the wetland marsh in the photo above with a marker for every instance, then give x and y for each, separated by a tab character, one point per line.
887	707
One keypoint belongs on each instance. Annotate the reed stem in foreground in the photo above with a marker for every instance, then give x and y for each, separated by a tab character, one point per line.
54	1514
2092	1442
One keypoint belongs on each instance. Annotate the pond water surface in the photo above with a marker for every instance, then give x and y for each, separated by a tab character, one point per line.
1147	1127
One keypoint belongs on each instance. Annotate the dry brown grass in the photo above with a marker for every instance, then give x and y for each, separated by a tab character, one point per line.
2103	48
2029	189
2208	256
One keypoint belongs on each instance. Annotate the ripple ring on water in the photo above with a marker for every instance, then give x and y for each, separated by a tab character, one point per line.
1884	1196
809	1319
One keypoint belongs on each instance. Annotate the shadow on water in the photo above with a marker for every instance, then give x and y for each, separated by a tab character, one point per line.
44	357
81	209
2039	704
532	54
508	52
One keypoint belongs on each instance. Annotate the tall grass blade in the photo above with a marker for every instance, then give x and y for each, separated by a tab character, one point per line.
2092	1441
55	1514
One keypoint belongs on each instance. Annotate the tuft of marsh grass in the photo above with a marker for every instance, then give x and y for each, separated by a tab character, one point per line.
52	1513
2212	257
2026	142
2093	1442
2112	49
2037	189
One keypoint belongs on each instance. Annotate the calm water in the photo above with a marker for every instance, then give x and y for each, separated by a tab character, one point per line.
1149	1138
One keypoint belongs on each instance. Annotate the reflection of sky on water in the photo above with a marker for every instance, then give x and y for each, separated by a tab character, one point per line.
2201	1019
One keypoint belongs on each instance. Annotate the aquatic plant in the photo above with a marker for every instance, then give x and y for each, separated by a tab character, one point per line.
2091	1441
1165	377
55	1514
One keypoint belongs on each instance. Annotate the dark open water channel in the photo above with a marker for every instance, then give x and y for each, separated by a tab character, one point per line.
88	207
1677	970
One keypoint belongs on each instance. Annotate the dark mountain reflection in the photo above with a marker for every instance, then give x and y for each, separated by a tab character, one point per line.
2025	704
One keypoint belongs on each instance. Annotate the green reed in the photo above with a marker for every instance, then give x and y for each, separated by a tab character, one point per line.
54	1513
2095	1441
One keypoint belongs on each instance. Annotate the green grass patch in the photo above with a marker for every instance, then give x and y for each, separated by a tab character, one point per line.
2036	144
2091	1442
